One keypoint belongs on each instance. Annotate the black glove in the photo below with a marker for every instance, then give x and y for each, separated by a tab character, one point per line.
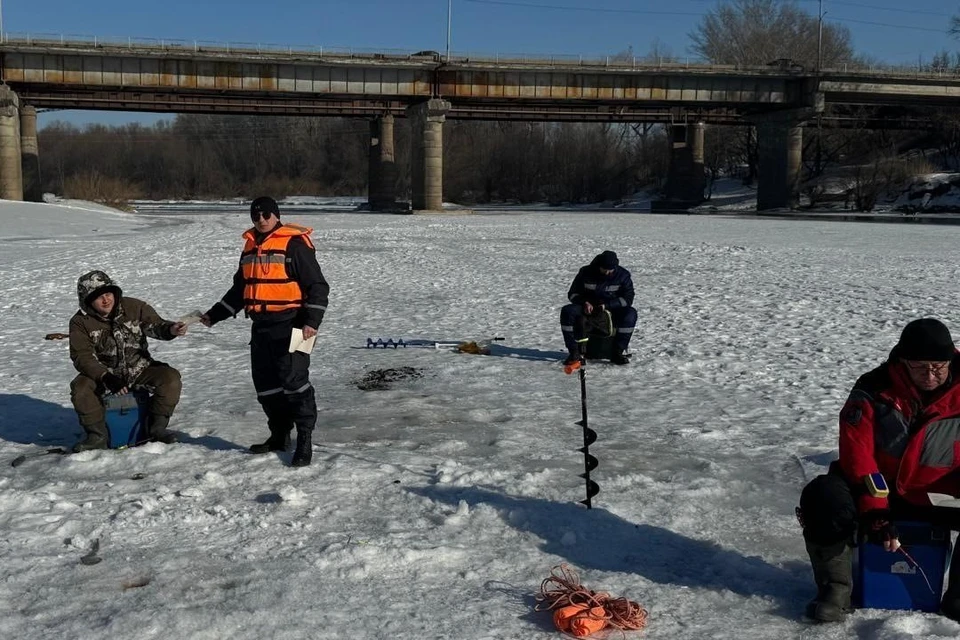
597	309
113	383
878	528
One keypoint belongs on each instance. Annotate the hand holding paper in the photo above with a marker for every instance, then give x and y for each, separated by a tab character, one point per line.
191	318
299	343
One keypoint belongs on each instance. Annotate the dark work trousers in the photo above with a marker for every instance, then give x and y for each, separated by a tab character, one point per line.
161	380
574	325
829	511
281	378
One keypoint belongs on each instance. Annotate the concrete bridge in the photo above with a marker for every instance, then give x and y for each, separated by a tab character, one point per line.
426	89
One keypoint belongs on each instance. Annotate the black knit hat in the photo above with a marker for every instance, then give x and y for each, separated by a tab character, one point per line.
606	260
264	204
925	339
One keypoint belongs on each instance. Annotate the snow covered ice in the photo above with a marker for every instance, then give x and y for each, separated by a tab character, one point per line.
435	507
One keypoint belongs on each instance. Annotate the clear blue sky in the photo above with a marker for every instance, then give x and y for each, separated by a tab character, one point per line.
890	30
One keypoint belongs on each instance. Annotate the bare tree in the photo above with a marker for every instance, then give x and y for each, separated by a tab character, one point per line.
722	152
651	152
625	56
756	32
212	156
660	53
946	135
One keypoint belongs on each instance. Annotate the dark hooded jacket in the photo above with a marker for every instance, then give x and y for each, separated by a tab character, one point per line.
117	344
591	285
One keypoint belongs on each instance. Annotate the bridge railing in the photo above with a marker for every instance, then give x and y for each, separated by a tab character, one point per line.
79	41
614	62
115	43
67	40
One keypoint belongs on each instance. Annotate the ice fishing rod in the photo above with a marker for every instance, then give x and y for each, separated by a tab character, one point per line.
380	343
19	460
589	435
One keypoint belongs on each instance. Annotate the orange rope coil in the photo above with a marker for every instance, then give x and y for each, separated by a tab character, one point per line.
580	612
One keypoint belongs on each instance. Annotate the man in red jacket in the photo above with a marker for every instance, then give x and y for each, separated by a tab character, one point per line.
900	427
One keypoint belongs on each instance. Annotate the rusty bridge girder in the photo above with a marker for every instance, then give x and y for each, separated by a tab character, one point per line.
60	74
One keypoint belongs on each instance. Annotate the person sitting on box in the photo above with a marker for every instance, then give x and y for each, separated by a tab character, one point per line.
899	430
601	286
108	346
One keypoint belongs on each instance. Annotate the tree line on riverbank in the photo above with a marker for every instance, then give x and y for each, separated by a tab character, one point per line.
211	156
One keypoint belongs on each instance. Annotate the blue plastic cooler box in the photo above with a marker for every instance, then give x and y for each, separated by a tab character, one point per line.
126	418
889	580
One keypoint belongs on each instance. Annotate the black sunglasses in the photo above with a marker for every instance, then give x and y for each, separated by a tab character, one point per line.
256	215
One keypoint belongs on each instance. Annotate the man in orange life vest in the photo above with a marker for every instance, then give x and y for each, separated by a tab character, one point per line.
280	287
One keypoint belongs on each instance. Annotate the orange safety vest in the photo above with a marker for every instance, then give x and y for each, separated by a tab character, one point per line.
268	287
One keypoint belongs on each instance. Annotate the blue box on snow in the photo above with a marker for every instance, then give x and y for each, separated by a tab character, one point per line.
888	580
126	418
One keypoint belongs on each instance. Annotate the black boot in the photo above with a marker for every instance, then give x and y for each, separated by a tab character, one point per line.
619	357
574	355
833	573
950	605
96	438
278	441
157	429
304	451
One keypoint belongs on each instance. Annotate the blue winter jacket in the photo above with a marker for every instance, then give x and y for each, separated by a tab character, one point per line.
613	291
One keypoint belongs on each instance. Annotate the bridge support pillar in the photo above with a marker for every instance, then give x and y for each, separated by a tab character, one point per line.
382	179
686	178
29	154
11	176
780	149
426	157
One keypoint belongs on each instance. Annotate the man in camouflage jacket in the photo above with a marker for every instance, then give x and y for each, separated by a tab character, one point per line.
108	346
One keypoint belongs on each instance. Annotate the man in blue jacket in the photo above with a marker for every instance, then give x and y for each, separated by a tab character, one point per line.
601	286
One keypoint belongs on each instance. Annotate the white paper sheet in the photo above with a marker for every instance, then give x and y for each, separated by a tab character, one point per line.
299	343
191	318
943	500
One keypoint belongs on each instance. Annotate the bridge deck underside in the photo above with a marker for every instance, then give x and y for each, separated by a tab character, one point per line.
123	99
119	99
245	85
416	83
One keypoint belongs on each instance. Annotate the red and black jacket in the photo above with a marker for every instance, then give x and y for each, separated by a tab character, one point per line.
912	437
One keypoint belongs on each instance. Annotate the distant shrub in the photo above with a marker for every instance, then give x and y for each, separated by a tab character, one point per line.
279	187
900	171
883	177
96	187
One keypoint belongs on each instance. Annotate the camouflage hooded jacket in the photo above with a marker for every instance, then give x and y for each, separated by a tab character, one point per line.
118	343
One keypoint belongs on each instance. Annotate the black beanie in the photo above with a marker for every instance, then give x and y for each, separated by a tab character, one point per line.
925	339
264	204
606	260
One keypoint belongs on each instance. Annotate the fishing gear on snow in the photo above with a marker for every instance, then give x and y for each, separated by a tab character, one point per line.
589	435
580	612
